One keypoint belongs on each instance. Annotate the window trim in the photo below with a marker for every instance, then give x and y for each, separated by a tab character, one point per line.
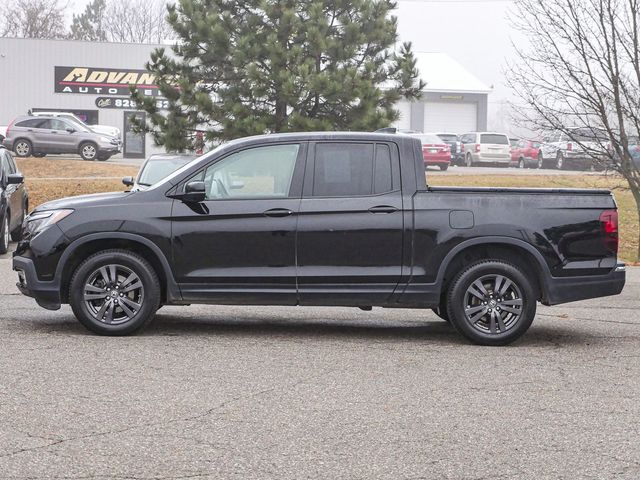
396	185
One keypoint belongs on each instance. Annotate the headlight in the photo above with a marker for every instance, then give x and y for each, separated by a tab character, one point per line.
38	221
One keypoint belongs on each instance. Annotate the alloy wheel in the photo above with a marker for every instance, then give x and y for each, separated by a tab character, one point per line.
22	149
493	304
113	294
89	151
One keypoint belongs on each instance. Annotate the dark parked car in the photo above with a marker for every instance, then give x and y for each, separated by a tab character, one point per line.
452	140
343	219
14	201
38	136
155	168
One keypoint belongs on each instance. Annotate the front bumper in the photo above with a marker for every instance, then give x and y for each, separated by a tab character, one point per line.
109	148
45	293
572	289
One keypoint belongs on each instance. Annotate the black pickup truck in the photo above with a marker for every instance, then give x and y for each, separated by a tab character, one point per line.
342	219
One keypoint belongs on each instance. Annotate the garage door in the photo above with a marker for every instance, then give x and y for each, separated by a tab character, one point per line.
450	117
404	122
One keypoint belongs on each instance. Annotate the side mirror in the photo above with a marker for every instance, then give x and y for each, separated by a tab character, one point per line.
194	192
128	181
70	130
15	179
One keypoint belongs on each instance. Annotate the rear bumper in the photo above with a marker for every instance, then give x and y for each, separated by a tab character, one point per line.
46	294
484	158
437	160
572	289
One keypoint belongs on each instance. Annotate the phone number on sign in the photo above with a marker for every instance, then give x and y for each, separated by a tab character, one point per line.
127	103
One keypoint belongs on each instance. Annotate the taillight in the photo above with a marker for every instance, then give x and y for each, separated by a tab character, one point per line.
477	147
609	227
569	146
6	133
462	147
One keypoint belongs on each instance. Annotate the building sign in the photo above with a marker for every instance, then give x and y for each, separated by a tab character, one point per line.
103	81
451	97
126	103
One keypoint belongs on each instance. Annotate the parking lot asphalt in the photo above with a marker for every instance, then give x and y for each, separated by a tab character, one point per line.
214	392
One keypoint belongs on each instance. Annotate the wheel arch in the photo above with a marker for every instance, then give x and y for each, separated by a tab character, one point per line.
516	251
82	248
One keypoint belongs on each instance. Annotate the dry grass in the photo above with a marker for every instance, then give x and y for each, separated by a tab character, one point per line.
42	190
58	168
626	203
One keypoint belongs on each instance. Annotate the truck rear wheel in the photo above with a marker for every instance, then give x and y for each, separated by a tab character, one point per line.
114	292
491	302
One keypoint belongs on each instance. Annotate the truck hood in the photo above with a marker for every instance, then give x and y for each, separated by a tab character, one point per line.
83	201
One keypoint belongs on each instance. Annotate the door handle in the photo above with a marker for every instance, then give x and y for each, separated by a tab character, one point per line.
278	212
383	209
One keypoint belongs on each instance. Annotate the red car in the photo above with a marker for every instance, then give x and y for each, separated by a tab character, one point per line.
435	152
526	154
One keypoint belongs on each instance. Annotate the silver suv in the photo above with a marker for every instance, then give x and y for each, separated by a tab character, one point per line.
38	136
485	147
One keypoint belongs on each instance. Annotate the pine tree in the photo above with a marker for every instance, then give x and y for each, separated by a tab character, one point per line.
89	25
257	66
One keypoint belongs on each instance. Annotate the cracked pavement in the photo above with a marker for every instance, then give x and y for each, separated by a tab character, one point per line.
213	392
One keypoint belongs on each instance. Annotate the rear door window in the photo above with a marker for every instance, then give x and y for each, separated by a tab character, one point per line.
343	170
494	139
32	123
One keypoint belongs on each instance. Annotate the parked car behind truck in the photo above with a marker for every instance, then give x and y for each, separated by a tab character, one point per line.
526	154
583	149
342	219
485	148
14	201
37	136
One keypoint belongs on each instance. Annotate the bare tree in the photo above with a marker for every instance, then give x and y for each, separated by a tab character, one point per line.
139	21
582	69
33	19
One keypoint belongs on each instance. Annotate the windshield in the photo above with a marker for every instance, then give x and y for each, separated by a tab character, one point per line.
448	137
77	124
430	138
158	169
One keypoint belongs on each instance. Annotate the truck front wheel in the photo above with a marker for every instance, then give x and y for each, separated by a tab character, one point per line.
491	302
114	292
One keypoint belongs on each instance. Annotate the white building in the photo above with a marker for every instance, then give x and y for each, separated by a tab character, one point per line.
453	100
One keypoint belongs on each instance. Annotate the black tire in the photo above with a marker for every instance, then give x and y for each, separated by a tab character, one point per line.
521	163
560	163
22	148
468	161
88	151
39	155
16	234
4	233
94	313
481	321
444	168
